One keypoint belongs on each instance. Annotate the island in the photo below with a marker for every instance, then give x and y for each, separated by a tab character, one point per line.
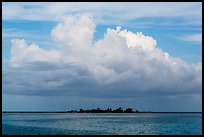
97	110
108	110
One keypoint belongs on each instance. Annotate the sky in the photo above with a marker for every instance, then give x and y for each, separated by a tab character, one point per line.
63	56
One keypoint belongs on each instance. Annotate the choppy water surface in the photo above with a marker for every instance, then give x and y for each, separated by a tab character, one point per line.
102	124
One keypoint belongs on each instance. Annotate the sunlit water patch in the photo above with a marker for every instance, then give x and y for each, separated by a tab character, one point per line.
102	124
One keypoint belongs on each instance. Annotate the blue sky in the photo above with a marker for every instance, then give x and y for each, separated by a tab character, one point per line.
176	27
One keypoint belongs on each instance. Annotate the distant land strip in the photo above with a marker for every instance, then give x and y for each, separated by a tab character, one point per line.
80	112
98	110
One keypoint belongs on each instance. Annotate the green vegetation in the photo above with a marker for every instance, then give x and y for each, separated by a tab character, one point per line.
108	110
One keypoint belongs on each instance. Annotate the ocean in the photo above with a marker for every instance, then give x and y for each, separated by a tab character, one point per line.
102	124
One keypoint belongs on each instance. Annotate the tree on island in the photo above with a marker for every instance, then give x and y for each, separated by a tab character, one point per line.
81	111
118	110
129	110
108	110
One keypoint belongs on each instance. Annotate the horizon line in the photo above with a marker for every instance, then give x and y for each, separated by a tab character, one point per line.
92	112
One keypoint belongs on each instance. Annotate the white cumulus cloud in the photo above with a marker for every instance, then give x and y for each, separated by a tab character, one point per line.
75	30
122	63
22	53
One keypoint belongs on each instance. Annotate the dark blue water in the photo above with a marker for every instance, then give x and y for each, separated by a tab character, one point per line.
102	124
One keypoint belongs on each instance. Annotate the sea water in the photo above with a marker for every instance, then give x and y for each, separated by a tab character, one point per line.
102	124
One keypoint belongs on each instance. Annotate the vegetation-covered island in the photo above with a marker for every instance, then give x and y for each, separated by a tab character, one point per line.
108	110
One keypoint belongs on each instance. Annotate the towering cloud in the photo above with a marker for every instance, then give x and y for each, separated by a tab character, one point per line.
76	31
138	39
121	64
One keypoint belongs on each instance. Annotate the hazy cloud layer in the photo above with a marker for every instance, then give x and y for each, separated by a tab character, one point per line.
107	13
122	64
192	38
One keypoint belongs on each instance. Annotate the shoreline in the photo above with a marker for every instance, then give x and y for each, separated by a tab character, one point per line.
89	112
